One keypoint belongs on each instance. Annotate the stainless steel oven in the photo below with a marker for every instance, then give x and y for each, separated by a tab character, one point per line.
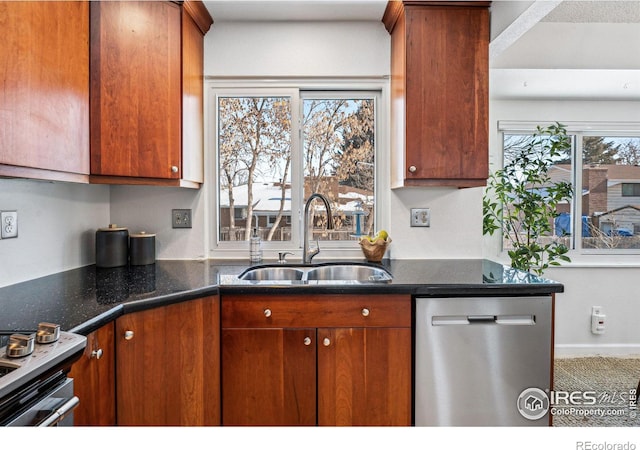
34	387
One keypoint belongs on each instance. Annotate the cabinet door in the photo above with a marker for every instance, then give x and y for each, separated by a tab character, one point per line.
136	89
447	109
364	376
439	93
44	91
168	365
268	376
94	380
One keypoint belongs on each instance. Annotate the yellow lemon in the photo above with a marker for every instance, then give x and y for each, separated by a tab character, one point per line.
383	235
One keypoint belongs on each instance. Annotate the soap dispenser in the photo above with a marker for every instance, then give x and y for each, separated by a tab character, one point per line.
255	250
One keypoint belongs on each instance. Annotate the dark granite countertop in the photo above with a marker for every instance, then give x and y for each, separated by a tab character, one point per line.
82	300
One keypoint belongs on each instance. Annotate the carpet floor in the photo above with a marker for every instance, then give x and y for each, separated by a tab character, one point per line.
607	383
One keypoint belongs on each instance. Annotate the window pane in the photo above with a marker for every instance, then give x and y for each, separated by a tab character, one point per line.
339	148
611	192
254	142
516	145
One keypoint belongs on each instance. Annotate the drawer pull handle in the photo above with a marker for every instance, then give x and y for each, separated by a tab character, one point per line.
326	342
96	354
365	312
174	169
128	335
413	169
267	312
307	341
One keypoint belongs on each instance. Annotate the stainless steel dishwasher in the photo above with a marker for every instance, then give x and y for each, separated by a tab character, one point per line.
475	357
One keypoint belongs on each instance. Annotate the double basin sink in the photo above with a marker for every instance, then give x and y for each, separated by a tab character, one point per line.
327	272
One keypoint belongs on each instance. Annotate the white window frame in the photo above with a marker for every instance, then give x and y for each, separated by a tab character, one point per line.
296	89
578	130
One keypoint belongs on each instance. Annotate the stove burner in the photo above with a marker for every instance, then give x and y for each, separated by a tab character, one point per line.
23	358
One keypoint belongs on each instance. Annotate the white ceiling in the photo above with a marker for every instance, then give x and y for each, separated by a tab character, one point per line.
539	49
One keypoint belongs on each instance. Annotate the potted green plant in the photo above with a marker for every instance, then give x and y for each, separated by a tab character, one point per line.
521	200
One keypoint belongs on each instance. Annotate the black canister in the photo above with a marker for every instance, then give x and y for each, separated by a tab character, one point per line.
112	244
142	248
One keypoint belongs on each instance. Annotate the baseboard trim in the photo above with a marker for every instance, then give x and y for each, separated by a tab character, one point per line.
582	350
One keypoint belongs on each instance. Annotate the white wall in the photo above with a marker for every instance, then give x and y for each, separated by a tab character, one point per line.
315	49
56	227
148	208
590	280
297	50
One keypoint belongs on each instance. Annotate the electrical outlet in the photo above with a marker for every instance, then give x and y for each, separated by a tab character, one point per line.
597	320
9	224
180	218
420	217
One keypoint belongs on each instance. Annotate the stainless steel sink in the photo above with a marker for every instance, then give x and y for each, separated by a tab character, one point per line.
349	272
328	272
272	274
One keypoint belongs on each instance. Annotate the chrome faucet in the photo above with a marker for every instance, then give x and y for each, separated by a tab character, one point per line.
307	253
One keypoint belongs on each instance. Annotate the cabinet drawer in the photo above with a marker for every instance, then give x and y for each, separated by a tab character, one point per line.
274	311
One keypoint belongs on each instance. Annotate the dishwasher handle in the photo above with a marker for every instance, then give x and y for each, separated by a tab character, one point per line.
484	319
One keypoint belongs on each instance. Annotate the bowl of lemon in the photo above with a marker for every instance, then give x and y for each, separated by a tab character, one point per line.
375	247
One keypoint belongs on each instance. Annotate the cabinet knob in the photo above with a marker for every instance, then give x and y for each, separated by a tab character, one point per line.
326	342
412	169
96	354
128	335
174	169
267	312
307	341
365	312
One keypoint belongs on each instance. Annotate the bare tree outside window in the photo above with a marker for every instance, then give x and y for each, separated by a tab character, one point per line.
254	142
339	149
256	165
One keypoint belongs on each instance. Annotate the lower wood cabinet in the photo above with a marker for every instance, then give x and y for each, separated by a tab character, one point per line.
168	361
317	360
94	380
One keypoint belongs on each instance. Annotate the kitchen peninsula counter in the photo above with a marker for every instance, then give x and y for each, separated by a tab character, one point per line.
81	300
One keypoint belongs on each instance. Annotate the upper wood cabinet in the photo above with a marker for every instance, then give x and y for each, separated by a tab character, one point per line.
147	92
44	90
439	92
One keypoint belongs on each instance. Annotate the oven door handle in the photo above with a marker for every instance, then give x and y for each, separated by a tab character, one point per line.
60	413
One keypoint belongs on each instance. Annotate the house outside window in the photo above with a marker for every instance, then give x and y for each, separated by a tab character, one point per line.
604	214
275	147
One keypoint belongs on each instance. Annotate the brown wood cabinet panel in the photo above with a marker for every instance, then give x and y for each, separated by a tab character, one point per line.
192	100
286	369
273	311
44	93
364	376
136	89
169	370
439	90
268	377
94	380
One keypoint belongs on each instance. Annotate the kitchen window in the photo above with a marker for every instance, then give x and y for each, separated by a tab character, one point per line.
275	147
603	166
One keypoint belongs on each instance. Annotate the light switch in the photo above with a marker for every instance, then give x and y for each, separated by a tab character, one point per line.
420	217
